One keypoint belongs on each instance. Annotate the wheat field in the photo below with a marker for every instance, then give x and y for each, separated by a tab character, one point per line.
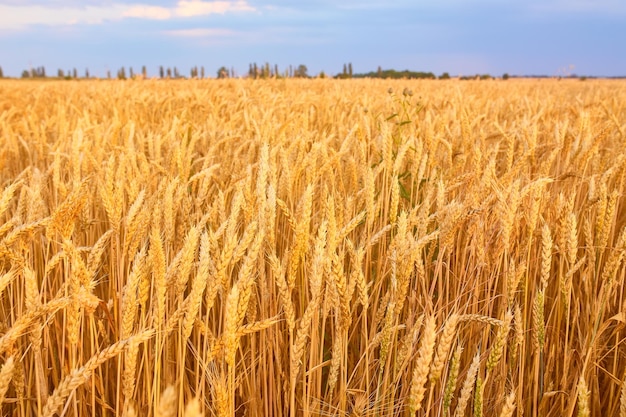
312	248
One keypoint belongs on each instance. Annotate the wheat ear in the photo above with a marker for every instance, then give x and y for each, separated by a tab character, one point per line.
583	398
468	384
198	286
443	348
509	405
422	366
80	375
167	403
6	374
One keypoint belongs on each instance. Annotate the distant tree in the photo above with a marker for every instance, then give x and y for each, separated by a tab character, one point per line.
1	73
302	71
169	73
60	73
345	70
256	71
202	72
121	74
144	72
131	74
322	74
176	73
161	72
505	76
74	73
86	72
108	74
232	72
276	73
444	76
222	72
393	74
349	69
25	74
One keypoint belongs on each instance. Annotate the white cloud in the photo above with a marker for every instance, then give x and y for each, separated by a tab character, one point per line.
148	12
18	17
56	13
189	8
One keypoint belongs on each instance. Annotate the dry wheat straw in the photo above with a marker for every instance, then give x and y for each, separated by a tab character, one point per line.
622	402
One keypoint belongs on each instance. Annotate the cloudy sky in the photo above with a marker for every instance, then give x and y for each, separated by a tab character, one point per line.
523	37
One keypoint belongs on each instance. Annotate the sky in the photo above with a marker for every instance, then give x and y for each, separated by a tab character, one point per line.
461	37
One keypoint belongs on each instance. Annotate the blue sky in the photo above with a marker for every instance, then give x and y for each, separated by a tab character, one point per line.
522	37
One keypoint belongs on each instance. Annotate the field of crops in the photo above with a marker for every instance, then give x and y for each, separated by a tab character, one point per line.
313	248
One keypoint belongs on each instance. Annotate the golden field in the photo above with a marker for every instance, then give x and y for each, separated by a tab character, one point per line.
313	248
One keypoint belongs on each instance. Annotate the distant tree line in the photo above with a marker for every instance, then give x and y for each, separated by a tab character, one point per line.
346	73
266	70
261	71
255	71
393	74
